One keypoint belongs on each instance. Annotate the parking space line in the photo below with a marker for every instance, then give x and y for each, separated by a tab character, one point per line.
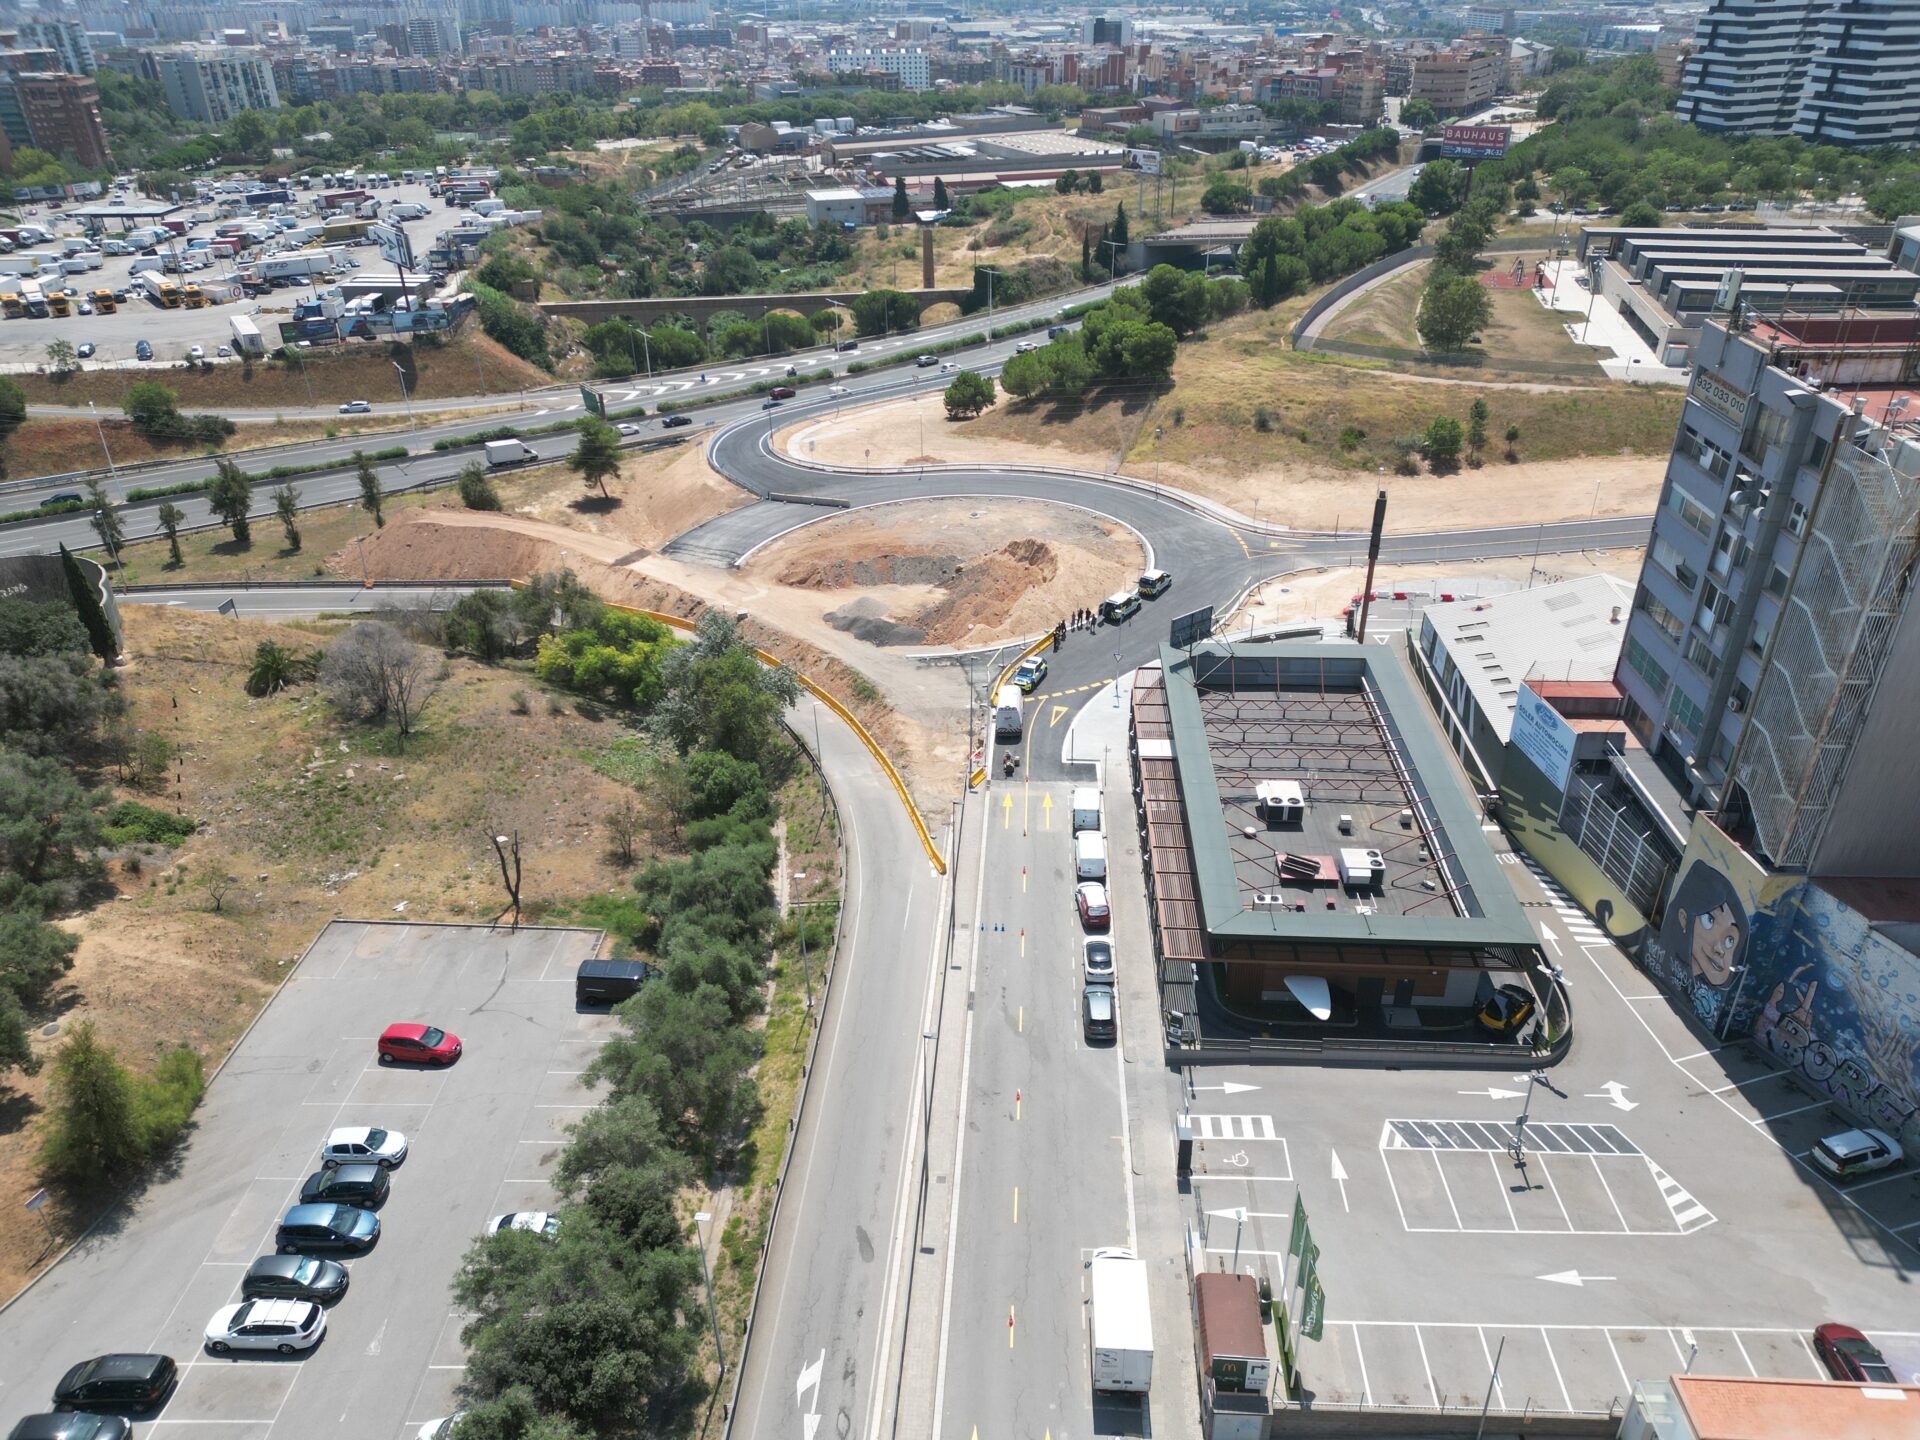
1797	1110
1608	1335
1360	1354
1440	1170
1856	1186
1625	1228
1500	1184
1493	1373
1547	1170
1426	1365
1910	1225
1819	1370
1700	1054
1566	1396
1674	1340
1391	1185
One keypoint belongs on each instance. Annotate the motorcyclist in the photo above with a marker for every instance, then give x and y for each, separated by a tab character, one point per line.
1009	764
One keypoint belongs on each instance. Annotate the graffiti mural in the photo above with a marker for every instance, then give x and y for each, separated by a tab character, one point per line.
1716	935
1842	1011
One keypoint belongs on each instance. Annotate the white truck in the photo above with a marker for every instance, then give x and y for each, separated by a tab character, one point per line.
295	267
247	339
509	452
1121	1335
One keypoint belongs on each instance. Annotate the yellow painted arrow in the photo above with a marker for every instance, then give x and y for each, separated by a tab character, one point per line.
1059	714
1046	806
1006	810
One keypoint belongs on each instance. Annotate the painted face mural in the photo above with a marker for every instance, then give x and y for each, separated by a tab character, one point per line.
1703	940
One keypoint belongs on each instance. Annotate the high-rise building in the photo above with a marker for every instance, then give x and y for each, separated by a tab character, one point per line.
1833	71
66	38
1098	30
212	84
1458	81
1772	660
910	63
63	116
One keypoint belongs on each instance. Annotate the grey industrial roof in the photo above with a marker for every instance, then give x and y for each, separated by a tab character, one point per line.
1563	631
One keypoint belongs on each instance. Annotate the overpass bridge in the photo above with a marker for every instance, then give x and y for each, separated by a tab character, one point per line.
697	308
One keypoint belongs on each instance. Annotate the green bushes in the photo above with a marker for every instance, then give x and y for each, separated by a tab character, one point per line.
131	823
104	1121
519	328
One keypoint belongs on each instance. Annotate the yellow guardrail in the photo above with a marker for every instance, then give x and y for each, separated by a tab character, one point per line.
680	622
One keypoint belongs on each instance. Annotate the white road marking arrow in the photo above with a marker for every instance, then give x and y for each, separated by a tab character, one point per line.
1235	1212
1340	1179
1616	1093
810	1380
1492	1094
1232	1087
1573	1278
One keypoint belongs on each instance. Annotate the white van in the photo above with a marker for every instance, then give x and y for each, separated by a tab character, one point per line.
1086	809
1008	717
1090	856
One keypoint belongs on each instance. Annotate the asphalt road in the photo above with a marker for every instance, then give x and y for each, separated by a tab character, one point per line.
296	601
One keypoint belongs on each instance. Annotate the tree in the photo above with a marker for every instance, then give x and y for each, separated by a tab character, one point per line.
1436	189
275	667
171	518
597	456
902	207
482	623
104	518
13	407
92	1133
1118	232
40	627
286	505
1513	439
54	704
1176	298
1225	197
940	201
623	824
151	406
968	395
373	673
1477	414
1641	214
86	604
476	488
882	312
62	356
1418	114
370	496
1067	182
1441	440
1094	183
1453	310
719	696
49	824
33	954
230	496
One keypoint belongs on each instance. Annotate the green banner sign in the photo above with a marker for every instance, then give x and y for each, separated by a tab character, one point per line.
1299	1225
595	405
1314	1311
1309	1263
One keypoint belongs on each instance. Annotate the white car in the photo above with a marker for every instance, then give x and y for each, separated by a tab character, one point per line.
364	1145
84	308
356	407
1098	961
439	1429
197	353
629	429
1857	1152
1024	346
283	1325
534	1222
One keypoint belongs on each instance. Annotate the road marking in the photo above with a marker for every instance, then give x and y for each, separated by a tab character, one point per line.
1009	1327
1234	1127
1494	1094
1796	1110
1594	1160
1432	1388
1059	714
1016	1204
1340	1179
1573	1278
1566	1397
1684	1207
1231	1087
1500	1184
1615	1093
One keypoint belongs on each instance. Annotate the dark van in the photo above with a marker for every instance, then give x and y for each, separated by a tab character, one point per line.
608	982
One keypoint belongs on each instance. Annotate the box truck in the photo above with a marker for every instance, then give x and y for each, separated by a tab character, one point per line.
509	452
1007	714
1121	1335
247	339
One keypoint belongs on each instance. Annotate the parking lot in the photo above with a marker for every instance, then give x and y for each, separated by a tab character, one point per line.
1657	1212
171	332
481	1133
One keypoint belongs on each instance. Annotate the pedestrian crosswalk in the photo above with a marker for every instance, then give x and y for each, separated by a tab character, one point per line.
1688	1213
1579	925
1234	1127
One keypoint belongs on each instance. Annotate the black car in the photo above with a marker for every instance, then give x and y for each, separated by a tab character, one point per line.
362	1185
307	1228
117	1382
1097	1013
674	422
607	982
65	497
846	346
294	1277
71	1425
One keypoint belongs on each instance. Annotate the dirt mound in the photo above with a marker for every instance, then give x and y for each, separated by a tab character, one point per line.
866	619
924	569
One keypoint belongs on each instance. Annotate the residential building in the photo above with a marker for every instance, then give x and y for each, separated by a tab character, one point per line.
428	37
1703	1407
1831	71
1097	30
63	116
66	38
334	35
1490	19
1362	93
1672	55
909	62
1458	81
212	84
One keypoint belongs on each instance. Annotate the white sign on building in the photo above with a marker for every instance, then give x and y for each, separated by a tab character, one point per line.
1542	734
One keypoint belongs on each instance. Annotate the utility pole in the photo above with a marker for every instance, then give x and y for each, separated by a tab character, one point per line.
1373	559
701	1218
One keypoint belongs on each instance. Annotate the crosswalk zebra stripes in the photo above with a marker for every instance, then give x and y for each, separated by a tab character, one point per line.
1234	1127
1688	1213
1579	925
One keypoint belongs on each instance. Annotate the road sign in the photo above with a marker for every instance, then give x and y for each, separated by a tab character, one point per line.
594	403
36	1200
1190	629
393	245
1475	142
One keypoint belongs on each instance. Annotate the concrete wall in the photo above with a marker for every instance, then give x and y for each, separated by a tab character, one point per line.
1880	792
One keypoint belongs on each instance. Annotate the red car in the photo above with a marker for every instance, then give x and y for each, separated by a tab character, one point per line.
1090	898
419	1045
782	392
1849	1355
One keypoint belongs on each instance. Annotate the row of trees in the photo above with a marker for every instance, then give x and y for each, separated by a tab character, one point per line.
595	1331
1318	243
1455	306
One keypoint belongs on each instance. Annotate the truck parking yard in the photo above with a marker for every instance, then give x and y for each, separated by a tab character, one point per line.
411	207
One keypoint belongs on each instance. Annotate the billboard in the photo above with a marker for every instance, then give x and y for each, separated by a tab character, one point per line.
1540	734
1475	142
393	245
1145	162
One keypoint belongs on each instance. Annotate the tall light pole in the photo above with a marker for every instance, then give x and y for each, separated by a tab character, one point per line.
102	432
990	273
1113	272
719	1355
403	392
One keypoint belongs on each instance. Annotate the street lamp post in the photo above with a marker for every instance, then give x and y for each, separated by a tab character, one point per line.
101	430
1113	260
720	1356
990	273
403	393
